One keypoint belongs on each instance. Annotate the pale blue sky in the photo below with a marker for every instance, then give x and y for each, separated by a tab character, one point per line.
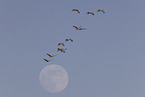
106	60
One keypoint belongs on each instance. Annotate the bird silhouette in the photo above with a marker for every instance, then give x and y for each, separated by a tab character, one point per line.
69	40
90	13
51	55
62	50
61	44
47	60
100	10
76	10
79	28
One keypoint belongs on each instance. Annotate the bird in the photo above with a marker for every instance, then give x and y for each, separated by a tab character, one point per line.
47	60
51	55
76	27
90	13
61	44
79	28
100	10
69	40
62	50
76	10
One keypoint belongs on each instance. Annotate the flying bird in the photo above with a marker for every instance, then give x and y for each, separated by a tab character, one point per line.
76	10
51	55
47	60
62	50
79	28
61	44
100	10
90	13
69	40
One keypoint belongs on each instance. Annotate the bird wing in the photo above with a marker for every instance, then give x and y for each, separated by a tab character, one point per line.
92	13
49	55
82	29
62	51
66	40
71	40
75	27
88	12
63	44
74	10
78	11
58	49
45	60
98	10
103	11
59	44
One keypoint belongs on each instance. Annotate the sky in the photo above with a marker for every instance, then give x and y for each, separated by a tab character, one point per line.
105	60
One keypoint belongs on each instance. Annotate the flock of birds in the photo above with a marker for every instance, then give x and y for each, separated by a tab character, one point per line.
66	40
99	10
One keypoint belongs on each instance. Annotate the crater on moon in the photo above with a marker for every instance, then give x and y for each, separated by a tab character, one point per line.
53	78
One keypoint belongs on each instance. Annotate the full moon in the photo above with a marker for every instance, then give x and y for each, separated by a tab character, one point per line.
53	78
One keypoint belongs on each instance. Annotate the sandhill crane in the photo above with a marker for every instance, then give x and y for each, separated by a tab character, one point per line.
69	40
61	44
62	50
47	60
51	55
76	10
90	13
79	28
100	10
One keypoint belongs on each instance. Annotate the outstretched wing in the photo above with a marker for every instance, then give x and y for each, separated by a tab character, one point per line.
63	51
58	49
46	60
76	10
90	13
62	44
51	55
71	40
66	39
48	55
59	44
100	10
103	11
75	27
82	29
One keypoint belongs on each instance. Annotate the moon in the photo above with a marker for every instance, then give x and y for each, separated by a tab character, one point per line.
53	78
